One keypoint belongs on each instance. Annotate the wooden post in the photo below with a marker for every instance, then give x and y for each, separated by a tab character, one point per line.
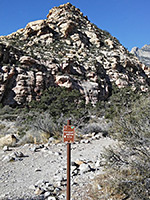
68	165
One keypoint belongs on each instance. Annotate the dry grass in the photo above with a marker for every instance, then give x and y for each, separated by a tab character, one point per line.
105	187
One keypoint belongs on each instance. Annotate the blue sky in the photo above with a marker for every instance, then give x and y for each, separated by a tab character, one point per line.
127	20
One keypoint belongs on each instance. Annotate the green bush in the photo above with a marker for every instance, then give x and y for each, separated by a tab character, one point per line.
120	100
58	101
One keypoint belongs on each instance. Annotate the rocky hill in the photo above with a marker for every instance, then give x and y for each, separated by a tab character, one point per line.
143	54
65	50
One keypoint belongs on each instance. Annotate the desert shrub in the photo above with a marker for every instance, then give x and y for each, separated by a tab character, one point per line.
11	114
38	130
107	33
129	163
92	127
21	131
134	121
44	123
55	107
2	126
29	137
79	123
120	100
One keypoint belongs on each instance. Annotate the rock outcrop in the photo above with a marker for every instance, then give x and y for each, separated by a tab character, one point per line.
65	50
143	54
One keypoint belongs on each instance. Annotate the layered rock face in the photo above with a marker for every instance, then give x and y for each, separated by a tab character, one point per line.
143	54
65	50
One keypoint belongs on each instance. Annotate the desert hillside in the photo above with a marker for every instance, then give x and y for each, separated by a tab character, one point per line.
65	67
65	50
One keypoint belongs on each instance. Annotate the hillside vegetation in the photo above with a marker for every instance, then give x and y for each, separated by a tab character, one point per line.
127	165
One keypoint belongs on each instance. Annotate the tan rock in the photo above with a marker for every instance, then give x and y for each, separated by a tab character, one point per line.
79	162
114	65
110	43
26	60
63	81
68	28
75	37
34	26
5	68
9	140
38	191
121	83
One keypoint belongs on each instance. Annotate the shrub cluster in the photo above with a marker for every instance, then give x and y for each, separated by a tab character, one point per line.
128	164
55	107
58	101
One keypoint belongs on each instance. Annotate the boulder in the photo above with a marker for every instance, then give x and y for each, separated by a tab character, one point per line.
38	28
110	43
26	60
9	140
68	28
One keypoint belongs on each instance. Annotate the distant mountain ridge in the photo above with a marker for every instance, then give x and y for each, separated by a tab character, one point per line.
142	54
65	50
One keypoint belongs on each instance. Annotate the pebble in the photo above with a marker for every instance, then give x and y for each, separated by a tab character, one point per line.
38	191
19	154
50	188
6	148
57	153
8	158
84	168
85	141
50	152
57	190
51	139
37	170
40	182
45	149
62	196
34	149
2	197
97	164
51	198
47	194
32	187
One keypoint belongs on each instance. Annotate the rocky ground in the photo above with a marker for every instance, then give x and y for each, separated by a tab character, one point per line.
34	171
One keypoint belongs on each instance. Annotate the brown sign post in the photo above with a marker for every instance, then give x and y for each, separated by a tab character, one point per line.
68	136
69	133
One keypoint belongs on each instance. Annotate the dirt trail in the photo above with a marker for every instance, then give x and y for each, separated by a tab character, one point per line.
48	163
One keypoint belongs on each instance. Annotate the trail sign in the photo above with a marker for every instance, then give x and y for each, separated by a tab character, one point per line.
68	133
68	137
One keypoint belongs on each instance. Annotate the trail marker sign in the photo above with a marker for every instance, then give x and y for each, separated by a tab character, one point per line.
68	133
68	137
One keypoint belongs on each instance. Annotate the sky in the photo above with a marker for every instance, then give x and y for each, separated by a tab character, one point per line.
127	20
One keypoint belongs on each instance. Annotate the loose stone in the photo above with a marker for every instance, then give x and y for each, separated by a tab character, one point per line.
6	148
